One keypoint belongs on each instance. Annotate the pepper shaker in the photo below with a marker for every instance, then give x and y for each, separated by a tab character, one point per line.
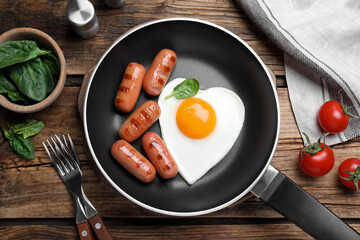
115	3
82	17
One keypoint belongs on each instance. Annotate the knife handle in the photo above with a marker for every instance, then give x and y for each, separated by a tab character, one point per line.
99	228
85	231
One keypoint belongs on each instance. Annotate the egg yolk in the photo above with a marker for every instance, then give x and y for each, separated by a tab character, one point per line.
195	118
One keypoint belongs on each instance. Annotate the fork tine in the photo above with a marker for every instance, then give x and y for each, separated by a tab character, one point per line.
66	150
73	149
65	141
63	152
60	171
57	153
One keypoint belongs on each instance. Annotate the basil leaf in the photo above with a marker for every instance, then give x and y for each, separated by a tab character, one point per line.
52	63
16	96
23	147
6	87
9	134
20	145
13	52
28	128
188	88
30	78
50	84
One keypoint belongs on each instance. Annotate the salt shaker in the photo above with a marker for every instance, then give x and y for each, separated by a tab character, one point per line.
82	17
115	3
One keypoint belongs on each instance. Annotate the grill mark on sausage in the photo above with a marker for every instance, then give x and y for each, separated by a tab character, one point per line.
128	76
153	144
149	172
128	153
159	80
145	115
126	132
153	108
164	68
135	123
118	100
123	89
159	157
173	59
167	167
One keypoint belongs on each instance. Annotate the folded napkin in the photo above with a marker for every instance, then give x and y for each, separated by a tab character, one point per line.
321	41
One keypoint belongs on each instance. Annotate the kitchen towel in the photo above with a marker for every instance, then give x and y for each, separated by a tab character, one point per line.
321	41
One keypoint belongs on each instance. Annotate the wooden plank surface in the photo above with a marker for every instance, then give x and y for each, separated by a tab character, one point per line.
34	203
161	230
114	22
28	181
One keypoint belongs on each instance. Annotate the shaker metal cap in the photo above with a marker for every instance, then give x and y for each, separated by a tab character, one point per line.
81	15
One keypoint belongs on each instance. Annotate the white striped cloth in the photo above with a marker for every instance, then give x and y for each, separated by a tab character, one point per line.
321	41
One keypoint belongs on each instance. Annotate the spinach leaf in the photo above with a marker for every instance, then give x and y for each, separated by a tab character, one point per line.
52	62
30	78
29	128
6	87
13	52
188	88
20	145
50	83
17	96
9	134
23	147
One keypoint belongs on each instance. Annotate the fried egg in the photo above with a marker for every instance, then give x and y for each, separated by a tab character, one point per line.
199	131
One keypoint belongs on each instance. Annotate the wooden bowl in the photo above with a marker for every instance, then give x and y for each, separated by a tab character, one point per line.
44	41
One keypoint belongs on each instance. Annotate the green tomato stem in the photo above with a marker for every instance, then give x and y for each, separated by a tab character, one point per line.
346	108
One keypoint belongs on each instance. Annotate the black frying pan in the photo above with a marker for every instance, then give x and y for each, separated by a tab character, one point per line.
216	57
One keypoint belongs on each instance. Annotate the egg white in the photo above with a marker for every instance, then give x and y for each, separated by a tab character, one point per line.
197	156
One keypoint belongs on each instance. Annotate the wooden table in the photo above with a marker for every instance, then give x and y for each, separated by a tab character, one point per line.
34	203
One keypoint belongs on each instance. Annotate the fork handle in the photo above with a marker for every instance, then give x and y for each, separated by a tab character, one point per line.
85	231
99	228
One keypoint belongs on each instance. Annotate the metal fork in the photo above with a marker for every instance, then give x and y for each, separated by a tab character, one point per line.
67	164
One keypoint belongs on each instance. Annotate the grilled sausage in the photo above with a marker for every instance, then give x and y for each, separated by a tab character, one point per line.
159	72
139	121
133	161
159	155
130	87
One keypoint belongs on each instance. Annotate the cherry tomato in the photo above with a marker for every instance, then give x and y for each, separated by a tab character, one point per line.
333	116
316	159
349	172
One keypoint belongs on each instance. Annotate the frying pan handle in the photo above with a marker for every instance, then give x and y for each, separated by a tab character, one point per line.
287	198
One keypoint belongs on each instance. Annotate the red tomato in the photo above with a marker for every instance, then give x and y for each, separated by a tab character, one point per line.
316	159
349	172
332	118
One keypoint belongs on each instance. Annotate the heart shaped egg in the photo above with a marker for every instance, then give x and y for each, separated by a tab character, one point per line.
199	131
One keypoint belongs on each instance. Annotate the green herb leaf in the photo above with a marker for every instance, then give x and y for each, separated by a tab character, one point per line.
20	145
9	135
50	84
30	78
188	88
23	147
16	96
6	87
52	63
28	128
14	52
